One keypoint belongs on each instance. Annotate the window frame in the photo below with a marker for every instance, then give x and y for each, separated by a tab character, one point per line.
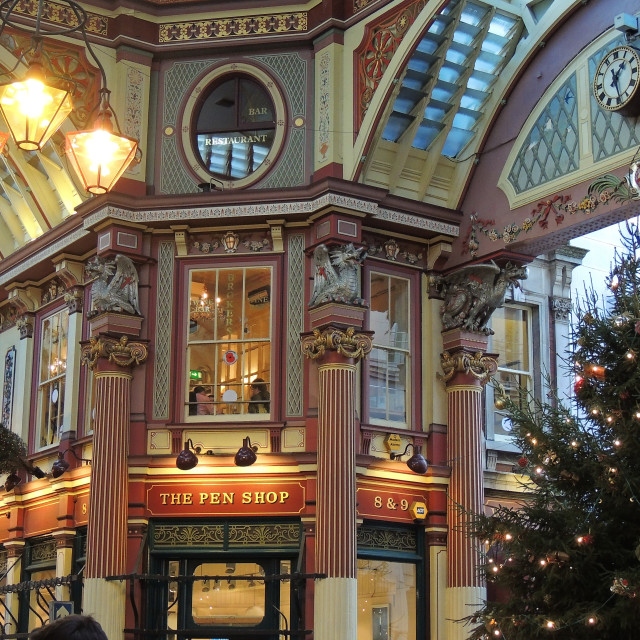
40	384
492	411
181	410
413	376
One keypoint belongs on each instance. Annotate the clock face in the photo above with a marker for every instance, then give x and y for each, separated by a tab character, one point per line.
615	85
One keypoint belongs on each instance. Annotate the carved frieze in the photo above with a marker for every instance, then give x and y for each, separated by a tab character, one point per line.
476	364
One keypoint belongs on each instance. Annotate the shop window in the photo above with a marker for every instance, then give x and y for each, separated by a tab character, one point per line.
387	600
512	342
229	344
389	360
235	128
52	372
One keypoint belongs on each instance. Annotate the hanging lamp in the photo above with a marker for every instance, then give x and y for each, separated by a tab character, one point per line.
100	156
32	109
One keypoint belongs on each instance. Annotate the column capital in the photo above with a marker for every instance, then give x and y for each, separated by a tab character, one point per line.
120	351
477	365
345	342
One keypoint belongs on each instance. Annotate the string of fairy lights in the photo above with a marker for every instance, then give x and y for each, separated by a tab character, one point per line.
586	372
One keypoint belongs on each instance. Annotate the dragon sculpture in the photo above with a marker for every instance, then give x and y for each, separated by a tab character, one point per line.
337	275
115	287
471	294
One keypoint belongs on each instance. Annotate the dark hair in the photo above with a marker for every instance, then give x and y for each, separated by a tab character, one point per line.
199	390
258	383
74	627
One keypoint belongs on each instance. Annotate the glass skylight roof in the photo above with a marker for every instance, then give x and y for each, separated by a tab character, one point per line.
451	74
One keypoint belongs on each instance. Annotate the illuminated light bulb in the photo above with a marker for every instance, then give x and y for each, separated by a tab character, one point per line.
543	562
496	632
615	282
579	539
495	569
609	419
630	355
534	441
617	443
574	443
591	620
539	470
613	470
551	624
508	536
594	411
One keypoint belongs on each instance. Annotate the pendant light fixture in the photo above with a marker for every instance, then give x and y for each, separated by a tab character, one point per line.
34	108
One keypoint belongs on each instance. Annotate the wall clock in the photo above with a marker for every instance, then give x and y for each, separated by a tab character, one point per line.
615	85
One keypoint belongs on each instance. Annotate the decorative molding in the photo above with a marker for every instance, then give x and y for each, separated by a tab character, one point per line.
164	323
347	343
120	352
25	326
188	535
382	538
241	26
264	535
476	364
561	308
276	209
295	324
379	44
74	300
7	389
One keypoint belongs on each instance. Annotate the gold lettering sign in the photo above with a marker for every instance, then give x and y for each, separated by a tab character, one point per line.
226	140
272	498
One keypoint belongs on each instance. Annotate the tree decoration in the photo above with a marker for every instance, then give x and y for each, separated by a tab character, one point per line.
571	567
12	450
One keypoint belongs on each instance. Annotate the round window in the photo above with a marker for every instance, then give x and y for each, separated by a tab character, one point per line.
234	129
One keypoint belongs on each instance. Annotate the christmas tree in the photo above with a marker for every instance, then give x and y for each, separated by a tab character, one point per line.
565	561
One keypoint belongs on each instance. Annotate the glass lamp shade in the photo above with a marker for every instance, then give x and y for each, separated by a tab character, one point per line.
186	459
246	456
33	110
417	463
100	157
59	466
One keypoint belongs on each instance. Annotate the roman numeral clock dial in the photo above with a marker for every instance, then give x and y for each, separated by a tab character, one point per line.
615	85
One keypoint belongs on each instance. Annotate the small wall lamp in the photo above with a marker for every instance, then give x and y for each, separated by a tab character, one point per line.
417	462
61	465
188	458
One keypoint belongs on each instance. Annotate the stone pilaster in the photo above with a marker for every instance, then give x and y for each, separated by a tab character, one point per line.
466	369
337	349
112	361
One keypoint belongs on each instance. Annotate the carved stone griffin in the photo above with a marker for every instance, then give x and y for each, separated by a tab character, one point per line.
337	275
115	287
471	294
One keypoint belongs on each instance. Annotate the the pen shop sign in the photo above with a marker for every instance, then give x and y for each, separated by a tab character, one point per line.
226	499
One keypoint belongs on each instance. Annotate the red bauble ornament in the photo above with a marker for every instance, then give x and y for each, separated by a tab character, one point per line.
523	462
579	384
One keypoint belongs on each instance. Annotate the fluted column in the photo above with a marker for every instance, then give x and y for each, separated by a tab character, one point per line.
335	605
112	361
466	370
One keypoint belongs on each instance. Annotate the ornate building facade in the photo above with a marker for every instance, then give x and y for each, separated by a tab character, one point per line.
255	380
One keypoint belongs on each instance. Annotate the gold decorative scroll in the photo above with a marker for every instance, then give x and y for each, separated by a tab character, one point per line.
347	343
121	352
476	364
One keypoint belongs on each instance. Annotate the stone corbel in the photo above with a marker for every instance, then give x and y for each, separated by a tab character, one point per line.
70	272
24	299
276	234
181	237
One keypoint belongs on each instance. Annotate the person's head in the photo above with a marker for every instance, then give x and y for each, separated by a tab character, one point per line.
258	385
75	627
199	390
